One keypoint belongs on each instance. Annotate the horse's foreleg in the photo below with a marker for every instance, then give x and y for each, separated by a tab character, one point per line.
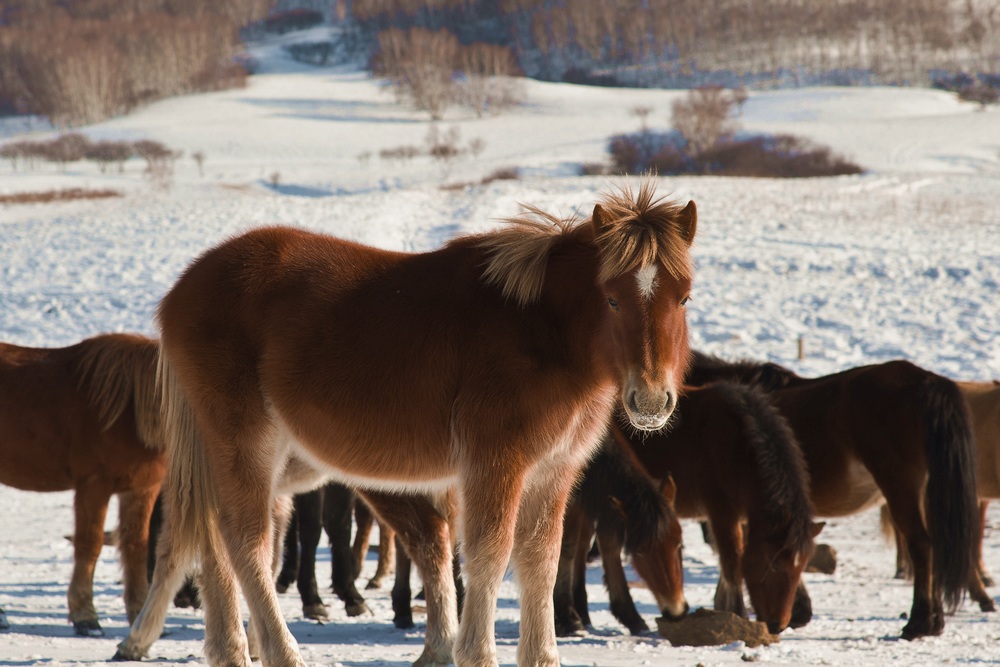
610	539
979	577
729	543
309	509
984	576
402	596
338	509
537	540
568	622
386	556
364	520
584	550
426	537
289	555
134	510
90	506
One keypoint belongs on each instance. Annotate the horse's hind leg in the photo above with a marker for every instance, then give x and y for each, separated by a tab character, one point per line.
426	537
134	510
538	536
984	576
338	510
927	612
402	595
978	577
364	520
168	575
90	506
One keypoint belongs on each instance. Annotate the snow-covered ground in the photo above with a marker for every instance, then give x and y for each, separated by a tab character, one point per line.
900	262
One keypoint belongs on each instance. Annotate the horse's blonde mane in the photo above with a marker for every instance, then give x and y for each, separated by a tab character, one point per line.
635	231
519	252
114	371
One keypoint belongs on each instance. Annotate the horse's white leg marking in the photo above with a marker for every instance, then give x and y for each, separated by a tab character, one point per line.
488	512
537	543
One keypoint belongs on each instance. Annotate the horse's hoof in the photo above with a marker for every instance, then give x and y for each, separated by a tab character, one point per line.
403	622
987	605
639	628
570	628
124	654
357	608
281	587
427	659
87	629
914	630
374	584
316	612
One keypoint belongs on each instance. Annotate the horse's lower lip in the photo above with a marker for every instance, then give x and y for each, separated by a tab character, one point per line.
644	423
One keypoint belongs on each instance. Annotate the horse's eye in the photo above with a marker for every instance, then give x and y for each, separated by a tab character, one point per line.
613	303
685	300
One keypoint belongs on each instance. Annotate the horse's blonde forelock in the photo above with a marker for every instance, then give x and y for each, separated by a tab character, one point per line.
641	229
637	230
518	253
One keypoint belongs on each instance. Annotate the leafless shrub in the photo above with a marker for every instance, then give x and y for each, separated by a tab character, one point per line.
502	174
56	195
477	146
81	62
780	156
443	147
704	117
401	153
105	153
642	113
419	64
595	169
159	162
488	78
199	159
68	148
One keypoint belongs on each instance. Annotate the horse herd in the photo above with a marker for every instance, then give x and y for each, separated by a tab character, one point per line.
505	395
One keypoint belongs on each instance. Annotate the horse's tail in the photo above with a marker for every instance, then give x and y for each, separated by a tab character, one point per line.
191	503
615	486
951	500
119	370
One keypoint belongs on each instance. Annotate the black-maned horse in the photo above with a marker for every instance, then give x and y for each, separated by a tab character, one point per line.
889	431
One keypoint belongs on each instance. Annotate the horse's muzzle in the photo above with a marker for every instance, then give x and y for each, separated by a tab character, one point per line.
649	411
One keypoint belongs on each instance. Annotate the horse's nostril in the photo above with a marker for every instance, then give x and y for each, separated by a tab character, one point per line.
632	405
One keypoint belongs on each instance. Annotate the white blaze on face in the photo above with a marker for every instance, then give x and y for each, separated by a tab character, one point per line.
646	278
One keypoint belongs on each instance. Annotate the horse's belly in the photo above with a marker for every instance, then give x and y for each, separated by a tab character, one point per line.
383	460
856	491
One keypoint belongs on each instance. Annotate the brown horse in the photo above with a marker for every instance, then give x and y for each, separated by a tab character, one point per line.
890	431
619	503
491	364
983	399
734	461
86	418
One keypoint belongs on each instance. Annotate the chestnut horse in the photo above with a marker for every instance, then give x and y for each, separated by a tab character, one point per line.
491	364
890	431
733	460
86	418
983	399
616	500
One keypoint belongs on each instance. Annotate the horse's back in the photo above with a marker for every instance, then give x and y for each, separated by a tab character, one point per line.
983	399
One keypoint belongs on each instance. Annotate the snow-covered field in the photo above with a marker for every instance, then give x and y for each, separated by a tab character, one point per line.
900	262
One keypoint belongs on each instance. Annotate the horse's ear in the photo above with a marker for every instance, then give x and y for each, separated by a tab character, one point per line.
816	527
668	488
599	220
688	221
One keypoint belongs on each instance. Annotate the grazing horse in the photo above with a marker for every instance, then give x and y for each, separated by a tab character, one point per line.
735	462
619	502
491	364
86	418
890	431
983	399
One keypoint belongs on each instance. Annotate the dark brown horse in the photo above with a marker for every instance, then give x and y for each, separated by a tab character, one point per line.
491	365
616	500
890	431
983	399
735	462
86	418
